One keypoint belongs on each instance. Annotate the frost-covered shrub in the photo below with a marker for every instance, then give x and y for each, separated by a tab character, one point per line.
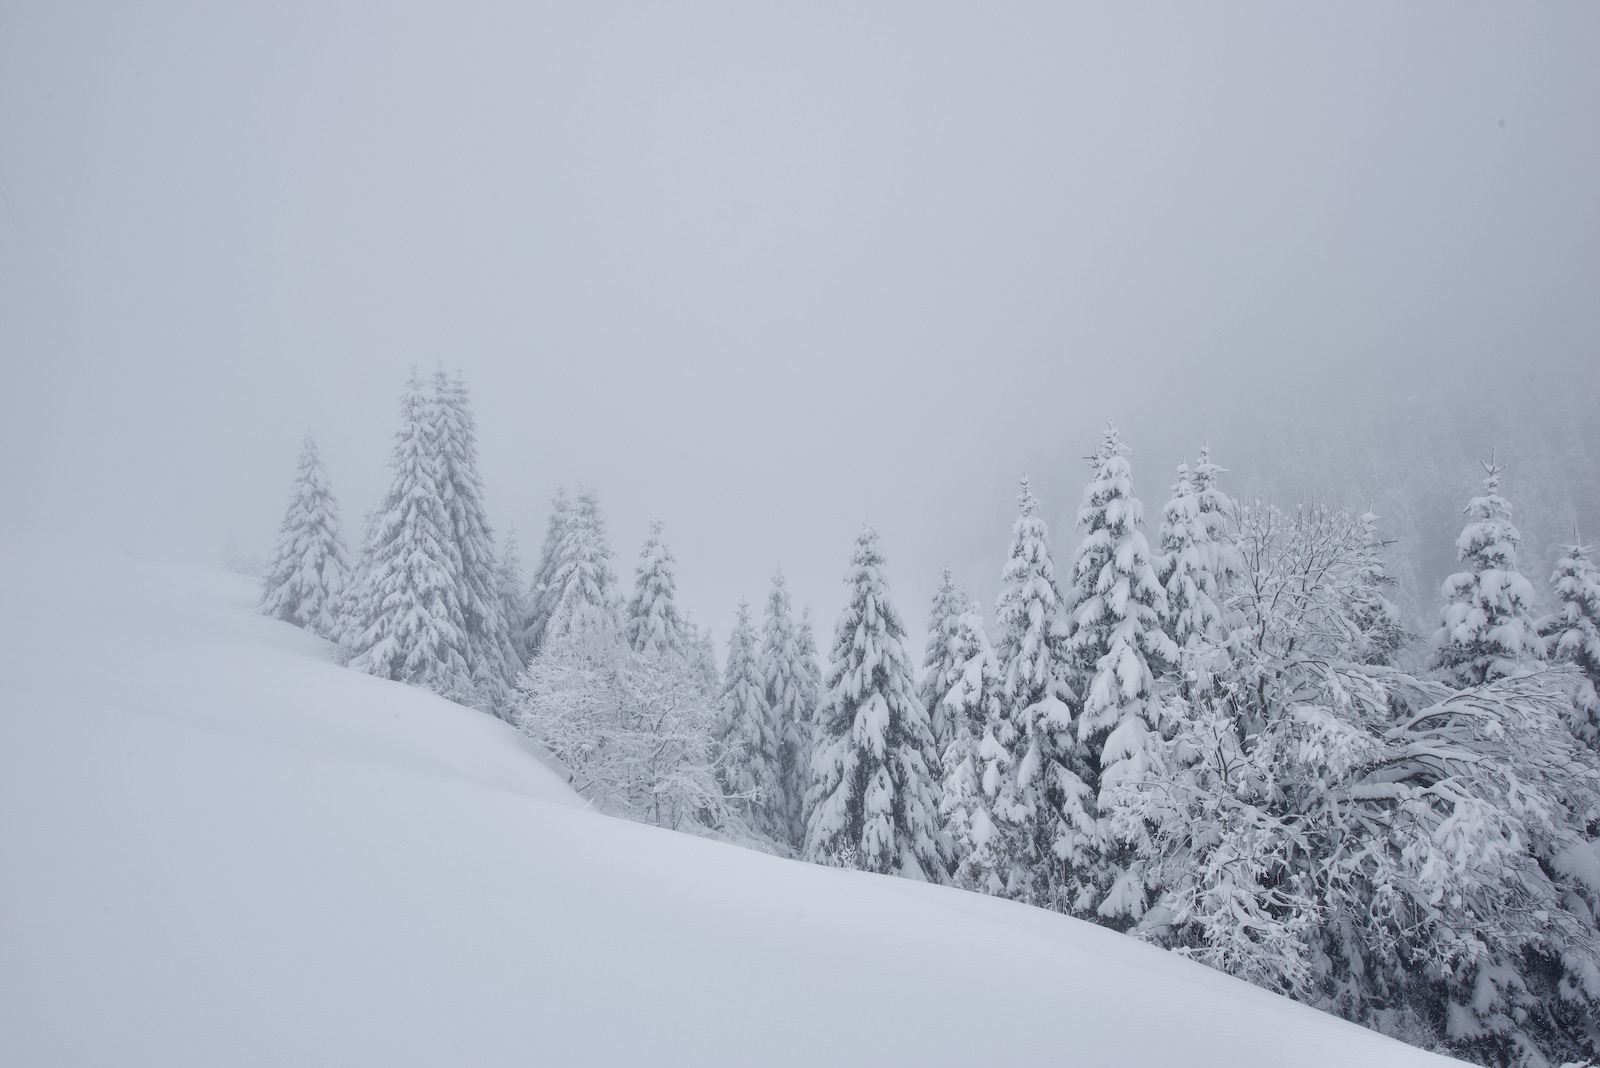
1405	852
633	730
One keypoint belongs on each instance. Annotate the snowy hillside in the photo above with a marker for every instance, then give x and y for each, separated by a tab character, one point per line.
221	848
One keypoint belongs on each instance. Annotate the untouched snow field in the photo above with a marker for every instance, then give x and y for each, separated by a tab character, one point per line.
217	847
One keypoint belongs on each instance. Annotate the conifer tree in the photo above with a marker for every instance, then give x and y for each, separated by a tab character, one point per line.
1486	629
941	661
409	625
970	709
1117	645
1030	765
583	590
1378	619
491	657
1217	516
513	595
702	653
352	609
1194	612
1573	633
541	592
653	625
751	763
306	582
785	690
874	799
810	686
810	669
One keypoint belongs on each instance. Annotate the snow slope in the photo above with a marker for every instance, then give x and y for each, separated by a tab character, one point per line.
217	847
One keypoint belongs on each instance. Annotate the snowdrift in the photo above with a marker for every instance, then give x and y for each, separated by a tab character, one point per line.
221	848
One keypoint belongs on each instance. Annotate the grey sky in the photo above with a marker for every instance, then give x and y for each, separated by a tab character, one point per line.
763	272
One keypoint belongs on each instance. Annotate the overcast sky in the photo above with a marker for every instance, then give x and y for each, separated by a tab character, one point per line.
761	271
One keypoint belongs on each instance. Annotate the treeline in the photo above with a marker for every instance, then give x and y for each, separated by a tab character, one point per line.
1225	743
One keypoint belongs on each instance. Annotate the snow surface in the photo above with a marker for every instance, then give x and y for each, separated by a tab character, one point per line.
218	847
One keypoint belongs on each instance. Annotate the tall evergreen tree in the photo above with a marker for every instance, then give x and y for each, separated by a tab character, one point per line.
409	625
751	762
352	609
1217	517
653	624
491	656
542	592
702	652
1194	611
941	661
1573	633
1031	767
785	689
810	669
874	799
810	684
1382	632
513	595
1487	630
1117	645
583	590
970	707
306	582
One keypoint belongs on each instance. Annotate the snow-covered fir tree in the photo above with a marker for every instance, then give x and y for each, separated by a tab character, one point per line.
542	592
306	581
1194	611
491	656
940	661
805	637
652	624
970	707
785	690
805	645
353	603
513	594
751	765
1376	617
1030	762
1486	630
874	798
1117	646
1217	517
702	654
1573	634
582	590
408	624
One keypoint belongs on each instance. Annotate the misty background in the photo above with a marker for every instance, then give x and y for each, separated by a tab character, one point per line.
766	273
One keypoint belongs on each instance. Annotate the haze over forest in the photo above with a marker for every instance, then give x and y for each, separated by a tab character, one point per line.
765	275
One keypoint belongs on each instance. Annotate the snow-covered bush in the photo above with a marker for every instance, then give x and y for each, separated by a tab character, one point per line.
1407	853
633	730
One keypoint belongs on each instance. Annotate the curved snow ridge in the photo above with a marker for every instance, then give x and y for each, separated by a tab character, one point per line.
186	643
223	848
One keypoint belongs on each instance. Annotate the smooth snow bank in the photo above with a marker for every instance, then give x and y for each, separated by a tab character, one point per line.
220	848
